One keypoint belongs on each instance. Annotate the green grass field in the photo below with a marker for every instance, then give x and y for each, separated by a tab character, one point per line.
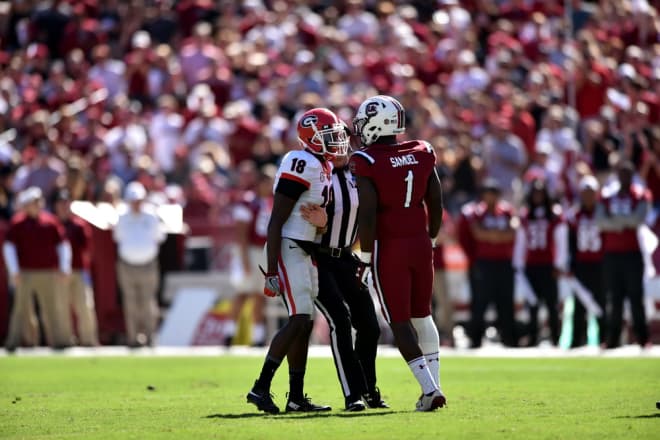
201	397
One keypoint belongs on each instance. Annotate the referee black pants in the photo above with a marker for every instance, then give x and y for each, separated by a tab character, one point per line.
624	274
590	275
346	305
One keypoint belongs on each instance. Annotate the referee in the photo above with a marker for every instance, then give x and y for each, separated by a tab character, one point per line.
341	299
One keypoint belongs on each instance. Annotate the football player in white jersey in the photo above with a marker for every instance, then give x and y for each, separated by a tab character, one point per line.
304	177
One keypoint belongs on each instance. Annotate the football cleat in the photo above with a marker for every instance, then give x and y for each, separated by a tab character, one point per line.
431	401
373	399
356	406
263	401
304	405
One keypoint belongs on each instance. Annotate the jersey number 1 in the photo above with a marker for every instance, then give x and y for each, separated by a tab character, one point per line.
409	188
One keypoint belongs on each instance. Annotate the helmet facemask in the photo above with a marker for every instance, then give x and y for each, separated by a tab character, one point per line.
329	142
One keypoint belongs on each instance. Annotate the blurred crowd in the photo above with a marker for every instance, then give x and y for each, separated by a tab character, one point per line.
176	94
191	97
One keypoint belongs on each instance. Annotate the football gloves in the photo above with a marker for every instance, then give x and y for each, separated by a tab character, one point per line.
272	285
362	274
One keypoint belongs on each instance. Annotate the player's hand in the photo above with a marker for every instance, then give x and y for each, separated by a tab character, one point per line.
314	214
363	273
272	284
16	279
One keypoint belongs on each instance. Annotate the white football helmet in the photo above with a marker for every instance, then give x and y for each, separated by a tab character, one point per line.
379	116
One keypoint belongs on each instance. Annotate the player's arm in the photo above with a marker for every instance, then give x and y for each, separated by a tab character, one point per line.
433	200
367	221
287	194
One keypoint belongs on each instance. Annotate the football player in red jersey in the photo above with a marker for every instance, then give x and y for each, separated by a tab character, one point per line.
493	228
585	244
540	251
619	215
400	201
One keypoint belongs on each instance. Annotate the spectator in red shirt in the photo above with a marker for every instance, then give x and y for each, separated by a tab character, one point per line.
37	269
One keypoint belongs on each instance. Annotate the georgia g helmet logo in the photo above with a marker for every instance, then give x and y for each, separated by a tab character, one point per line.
371	109
309	121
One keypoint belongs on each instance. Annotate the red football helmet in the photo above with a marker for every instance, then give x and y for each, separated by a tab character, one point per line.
322	133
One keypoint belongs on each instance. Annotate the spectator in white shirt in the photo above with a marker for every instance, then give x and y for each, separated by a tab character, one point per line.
138	234
108	72
165	131
358	23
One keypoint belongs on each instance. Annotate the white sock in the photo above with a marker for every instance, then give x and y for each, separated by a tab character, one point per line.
429	341
230	328
433	362
422	374
258	333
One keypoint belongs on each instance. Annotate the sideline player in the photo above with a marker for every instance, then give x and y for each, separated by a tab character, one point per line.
304	177
400	210
251	214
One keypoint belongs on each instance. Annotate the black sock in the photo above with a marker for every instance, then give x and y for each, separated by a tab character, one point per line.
296	384
267	372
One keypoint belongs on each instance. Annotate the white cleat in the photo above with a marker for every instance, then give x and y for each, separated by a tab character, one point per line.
431	401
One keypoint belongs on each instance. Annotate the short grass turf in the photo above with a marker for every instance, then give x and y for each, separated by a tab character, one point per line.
203	398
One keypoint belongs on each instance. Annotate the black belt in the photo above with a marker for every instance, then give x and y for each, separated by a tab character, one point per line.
335	252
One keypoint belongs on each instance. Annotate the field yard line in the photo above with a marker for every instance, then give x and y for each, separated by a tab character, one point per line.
488	351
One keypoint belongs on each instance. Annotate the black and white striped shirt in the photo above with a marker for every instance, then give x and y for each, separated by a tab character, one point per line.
342	211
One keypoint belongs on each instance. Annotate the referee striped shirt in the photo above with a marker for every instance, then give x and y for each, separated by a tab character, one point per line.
342	211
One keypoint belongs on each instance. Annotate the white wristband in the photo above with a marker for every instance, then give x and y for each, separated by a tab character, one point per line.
365	257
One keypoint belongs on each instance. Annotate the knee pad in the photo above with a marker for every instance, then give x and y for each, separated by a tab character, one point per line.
427	334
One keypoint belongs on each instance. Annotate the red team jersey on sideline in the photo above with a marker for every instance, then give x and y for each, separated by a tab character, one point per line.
587	236
403	258
625	240
540	238
260	210
500	220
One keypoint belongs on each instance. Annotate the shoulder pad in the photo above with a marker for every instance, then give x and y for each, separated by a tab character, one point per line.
365	155
428	146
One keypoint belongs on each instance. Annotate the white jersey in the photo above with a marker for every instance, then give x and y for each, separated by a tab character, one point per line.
304	167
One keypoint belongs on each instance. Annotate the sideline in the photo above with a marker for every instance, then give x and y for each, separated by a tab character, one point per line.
323	351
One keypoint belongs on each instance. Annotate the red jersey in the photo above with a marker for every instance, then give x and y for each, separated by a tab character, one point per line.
618	204
463	232
586	238
36	240
539	236
400	174
79	236
499	219
255	211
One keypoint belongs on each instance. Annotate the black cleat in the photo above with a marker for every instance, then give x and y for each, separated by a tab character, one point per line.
356	406
304	405
373	399
263	401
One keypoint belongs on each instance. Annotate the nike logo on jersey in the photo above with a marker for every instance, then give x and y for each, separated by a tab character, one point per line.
293	247
399	161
